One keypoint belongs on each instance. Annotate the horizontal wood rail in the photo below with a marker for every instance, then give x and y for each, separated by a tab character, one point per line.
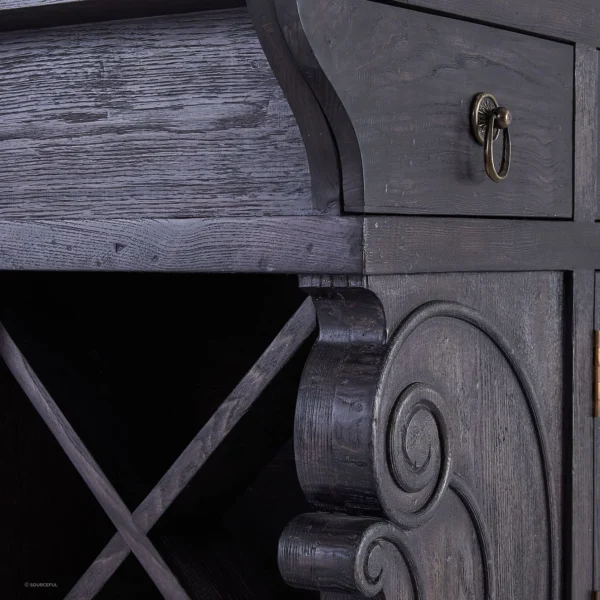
302	245
432	245
229	245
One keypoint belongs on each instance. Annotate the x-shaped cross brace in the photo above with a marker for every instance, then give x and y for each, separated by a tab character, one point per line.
133	528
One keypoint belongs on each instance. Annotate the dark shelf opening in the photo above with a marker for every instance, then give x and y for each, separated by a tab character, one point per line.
138	363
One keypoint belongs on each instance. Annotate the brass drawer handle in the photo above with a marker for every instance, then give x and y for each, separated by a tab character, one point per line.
487	118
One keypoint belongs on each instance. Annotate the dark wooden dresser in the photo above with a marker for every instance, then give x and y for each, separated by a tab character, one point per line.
304	293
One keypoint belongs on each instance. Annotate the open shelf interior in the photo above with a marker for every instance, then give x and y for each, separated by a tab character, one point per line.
138	363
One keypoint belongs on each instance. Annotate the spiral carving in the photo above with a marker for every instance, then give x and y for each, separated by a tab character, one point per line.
373	555
369	442
423	484
343	554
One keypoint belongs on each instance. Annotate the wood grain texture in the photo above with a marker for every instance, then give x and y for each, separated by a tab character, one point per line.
496	448
430	402
429	245
235	406
273	245
580	480
570	20
176	116
321	147
31	14
348	153
587	82
90	471
586	393
8	5
407	80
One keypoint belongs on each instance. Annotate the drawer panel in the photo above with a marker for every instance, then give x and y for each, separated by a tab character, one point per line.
407	81
177	116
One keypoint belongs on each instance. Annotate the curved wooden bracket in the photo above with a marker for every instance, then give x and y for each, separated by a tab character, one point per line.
322	152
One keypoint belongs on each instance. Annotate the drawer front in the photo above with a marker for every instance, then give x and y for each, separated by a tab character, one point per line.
407	81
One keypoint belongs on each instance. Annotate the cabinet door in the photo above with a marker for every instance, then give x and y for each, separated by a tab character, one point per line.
450	438
494	350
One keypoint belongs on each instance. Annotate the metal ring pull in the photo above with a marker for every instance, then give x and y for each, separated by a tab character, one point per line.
487	118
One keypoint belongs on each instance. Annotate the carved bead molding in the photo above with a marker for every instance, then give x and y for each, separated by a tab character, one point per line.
375	457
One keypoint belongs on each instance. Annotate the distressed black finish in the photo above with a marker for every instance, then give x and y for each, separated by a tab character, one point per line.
444	442
39	14
320	144
117	120
272	245
435	392
202	446
574	20
406	81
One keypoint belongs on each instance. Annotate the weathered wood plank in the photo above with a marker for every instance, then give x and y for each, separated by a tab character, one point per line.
8	5
429	245
177	116
89	470
237	404
580	541
585	201
303	245
275	245
571	20
25	14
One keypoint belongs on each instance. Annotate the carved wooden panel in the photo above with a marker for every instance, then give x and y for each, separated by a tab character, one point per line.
430	423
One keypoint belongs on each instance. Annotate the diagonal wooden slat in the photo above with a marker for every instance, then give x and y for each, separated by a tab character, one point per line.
90	471
237	404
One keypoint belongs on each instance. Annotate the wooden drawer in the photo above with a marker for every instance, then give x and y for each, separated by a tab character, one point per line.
407	81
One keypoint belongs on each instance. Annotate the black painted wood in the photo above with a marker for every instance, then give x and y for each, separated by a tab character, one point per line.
444	417
348	152
587	83
34	14
268	245
407	81
529	355
332	245
90	471
595	517
235	406
321	146
432	411
177	116
430	245
571	20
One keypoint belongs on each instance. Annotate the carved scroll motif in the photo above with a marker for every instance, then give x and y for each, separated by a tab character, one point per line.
381	458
